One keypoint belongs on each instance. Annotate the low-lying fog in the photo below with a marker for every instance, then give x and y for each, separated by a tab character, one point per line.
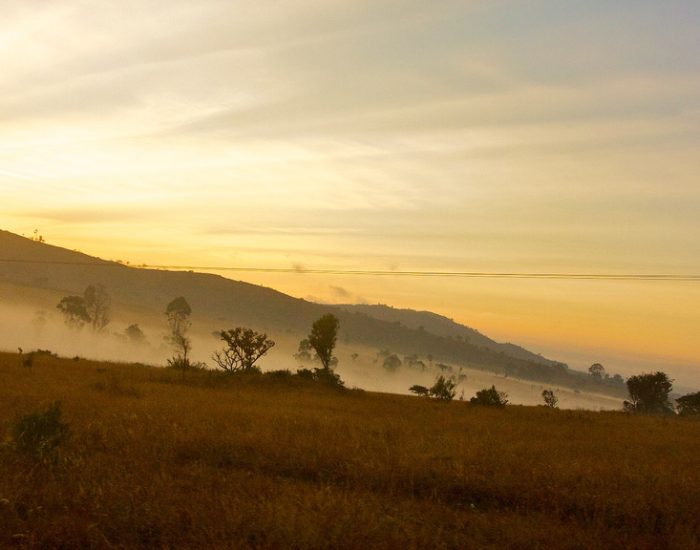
31	329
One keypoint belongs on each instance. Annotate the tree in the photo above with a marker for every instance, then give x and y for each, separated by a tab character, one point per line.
98	305
597	371
74	311
490	397
178	314
303	353
443	389
92	308
689	405
550	400
243	348
134	334
419	390
392	362
324	333
649	393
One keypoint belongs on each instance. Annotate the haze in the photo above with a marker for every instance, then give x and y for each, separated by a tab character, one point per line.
502	136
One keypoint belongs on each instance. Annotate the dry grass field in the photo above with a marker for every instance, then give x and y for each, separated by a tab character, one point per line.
156	458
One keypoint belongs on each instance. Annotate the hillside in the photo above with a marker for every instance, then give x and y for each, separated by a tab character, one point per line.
159	459
216	298
442	326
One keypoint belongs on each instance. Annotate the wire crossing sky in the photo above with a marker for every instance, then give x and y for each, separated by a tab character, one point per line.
539	137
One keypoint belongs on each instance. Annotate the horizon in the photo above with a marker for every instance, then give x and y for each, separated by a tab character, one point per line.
480	137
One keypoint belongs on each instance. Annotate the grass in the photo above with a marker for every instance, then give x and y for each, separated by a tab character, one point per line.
158	458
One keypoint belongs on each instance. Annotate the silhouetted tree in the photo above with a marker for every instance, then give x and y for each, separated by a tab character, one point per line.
419	390
649	393
98	305
550	400
490	397
597	371
74	311
689	405
324	333
178	314
243	348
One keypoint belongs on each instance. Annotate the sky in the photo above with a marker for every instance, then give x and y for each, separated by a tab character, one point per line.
509	136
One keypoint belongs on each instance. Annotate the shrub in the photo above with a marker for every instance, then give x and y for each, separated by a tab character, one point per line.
490	397
322	375
305	374
40	434
443	389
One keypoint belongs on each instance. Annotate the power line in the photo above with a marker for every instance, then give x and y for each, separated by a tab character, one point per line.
387	273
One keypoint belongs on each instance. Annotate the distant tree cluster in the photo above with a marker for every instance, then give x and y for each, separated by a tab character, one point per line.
598	373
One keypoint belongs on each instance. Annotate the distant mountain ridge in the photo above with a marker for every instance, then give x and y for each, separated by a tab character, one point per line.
442	326
221	300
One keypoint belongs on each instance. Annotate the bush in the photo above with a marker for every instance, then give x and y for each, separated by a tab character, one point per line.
40	434
305	374
322	375
443	389
490	397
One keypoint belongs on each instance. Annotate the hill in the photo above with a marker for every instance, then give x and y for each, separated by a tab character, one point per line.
442	326
215	298
161	459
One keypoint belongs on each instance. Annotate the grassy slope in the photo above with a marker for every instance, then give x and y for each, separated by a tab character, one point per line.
156	459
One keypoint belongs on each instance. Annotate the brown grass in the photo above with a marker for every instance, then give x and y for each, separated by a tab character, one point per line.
158	459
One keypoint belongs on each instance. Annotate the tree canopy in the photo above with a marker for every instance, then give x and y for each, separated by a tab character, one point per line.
324	333
649	393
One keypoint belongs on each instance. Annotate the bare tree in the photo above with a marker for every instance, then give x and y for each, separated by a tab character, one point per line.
243	348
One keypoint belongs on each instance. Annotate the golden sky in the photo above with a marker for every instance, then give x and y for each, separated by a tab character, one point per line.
539	136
